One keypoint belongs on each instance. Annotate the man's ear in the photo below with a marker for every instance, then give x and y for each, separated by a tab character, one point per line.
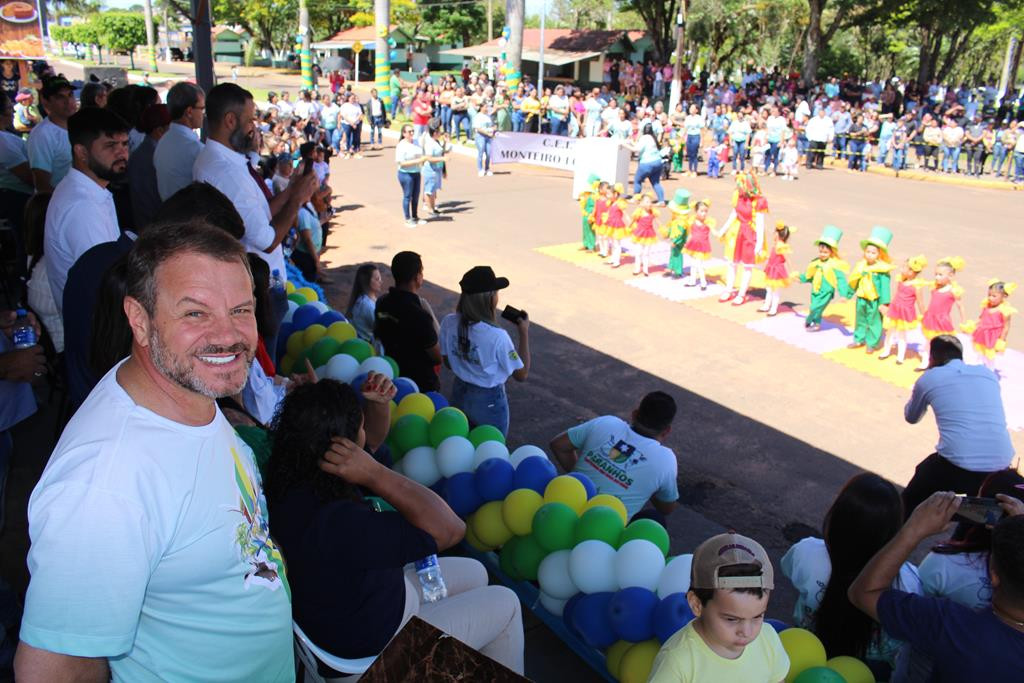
138	320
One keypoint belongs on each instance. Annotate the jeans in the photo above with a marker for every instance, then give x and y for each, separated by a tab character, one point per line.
483	406
739	155
396	101
883	149
334	138
592	127
650	170
353	136
951	158
377	124
899	158
1018	167
418	129
998	157
975	156
517	122
559	126
460	119
856	150
410	183
802	144
692	152
483	152
839	145
446	116
771	159
346	135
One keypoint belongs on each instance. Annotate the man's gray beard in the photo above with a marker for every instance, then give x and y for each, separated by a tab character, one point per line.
182	375
240	142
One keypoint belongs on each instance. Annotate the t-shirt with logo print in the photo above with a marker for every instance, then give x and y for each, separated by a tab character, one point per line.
625	464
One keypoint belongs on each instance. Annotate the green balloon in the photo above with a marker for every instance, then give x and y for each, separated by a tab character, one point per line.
324	350
506	558
485	433
393	364
298	299
647	529
599	523
553	526
299	366
448	422
410	431
356	348
527	556
819	674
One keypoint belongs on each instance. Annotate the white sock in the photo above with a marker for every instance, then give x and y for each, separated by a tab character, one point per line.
745	281
901	350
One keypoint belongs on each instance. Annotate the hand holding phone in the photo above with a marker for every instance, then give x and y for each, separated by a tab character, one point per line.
981	511
513	315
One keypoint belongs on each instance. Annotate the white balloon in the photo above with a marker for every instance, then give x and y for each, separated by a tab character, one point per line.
292	307
592	567
454	455
553	575
342	367
320	306
320	371
524	452
553	605
488	450
420	465
377	364
638	563
675	577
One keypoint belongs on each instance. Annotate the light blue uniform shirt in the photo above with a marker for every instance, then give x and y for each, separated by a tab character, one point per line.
969	413
363	312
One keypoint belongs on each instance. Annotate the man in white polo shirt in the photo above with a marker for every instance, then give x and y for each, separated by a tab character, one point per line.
81	213
177	150
49	149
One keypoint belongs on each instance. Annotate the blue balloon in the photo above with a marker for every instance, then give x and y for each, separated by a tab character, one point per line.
283	333
331	317
631	613
534	473
567	612
393	55
439	400
670	615
494	478
590	619
439	486
461	494
305	316
587	484
779	626
358	380
404	387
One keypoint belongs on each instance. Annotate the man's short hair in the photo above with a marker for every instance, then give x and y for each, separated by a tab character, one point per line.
306	150
1008	556
90	91
224	98
181	96
656	412
87	124
405	266
155	247
945	348
203	202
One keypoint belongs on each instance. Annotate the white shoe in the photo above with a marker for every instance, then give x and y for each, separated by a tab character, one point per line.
421	221
480	174
490	173
410	224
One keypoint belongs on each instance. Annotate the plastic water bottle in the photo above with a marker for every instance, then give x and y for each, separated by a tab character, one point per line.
24	334
276	282
431	581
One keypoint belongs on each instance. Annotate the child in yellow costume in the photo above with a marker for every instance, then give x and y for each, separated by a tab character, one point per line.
743	234
675	231
827	275
870	283
586	199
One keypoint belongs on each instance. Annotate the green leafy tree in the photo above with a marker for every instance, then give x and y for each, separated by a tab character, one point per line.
467	23
86	33
581	14
659	17
121	32
273	24
62	34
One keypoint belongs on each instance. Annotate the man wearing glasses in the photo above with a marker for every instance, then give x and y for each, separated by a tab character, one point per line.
177	150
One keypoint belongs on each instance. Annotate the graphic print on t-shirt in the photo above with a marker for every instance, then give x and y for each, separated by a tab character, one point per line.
613	459
255	547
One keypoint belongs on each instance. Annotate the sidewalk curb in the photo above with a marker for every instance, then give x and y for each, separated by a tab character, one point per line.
914	174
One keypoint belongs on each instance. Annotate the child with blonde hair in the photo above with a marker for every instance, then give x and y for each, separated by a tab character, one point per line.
776	274
643	233
989	332
944	293
904	310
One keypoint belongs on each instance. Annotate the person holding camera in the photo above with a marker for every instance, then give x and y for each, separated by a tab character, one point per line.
480	353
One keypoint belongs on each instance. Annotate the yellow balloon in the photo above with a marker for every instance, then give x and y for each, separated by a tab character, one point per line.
295	343
416	404
518	509
312	334
341	331
607	500
289	288
613	657
568	490
489	527
309	293
471	538
804	650
285	366
637	662
394	412
852	669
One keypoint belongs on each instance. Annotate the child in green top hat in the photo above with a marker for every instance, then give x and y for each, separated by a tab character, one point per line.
827	275
870	283
676	230
586	199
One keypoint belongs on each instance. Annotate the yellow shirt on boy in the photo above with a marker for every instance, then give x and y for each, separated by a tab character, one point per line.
686	658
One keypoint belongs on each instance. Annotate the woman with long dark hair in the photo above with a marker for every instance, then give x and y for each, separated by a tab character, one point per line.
480	353
362	303
351	588
865	516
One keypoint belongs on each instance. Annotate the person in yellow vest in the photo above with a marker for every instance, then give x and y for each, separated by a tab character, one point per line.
587	200
827	275
675	231
870	283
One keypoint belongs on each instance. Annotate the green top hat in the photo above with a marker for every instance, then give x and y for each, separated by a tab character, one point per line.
593	178
830	236
880	237
680	201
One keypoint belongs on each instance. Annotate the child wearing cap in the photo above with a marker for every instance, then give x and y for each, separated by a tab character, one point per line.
825	273
731	580
870	283
676	232
587	200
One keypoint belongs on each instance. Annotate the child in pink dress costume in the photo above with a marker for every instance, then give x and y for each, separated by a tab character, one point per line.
904	312
993	325
944	294
776	273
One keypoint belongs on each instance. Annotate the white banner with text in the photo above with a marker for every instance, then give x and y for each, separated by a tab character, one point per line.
553	151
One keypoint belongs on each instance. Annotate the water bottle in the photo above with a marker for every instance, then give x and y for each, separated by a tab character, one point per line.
24	334
276	281
431	581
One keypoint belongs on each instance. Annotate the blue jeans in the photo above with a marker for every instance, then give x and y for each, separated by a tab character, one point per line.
483	152
771	159
355	133
279	308
395	103
446	116
802	143
883	149
377	124
692	152
998	157
950	158
410	183
482	406
559	126
334	138
346	135
856	150
739	155
839	146
517	121
1018	167
650	170
899	158
460	119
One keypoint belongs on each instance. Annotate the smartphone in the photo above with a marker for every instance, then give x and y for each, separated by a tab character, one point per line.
513	315
974	510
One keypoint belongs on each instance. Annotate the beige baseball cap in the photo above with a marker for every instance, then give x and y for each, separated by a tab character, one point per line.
725	550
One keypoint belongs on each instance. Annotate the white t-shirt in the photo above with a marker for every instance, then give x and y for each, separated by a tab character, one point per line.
351	113
491	359
304	109
150	546
49	149
407	151
625	464
962	578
